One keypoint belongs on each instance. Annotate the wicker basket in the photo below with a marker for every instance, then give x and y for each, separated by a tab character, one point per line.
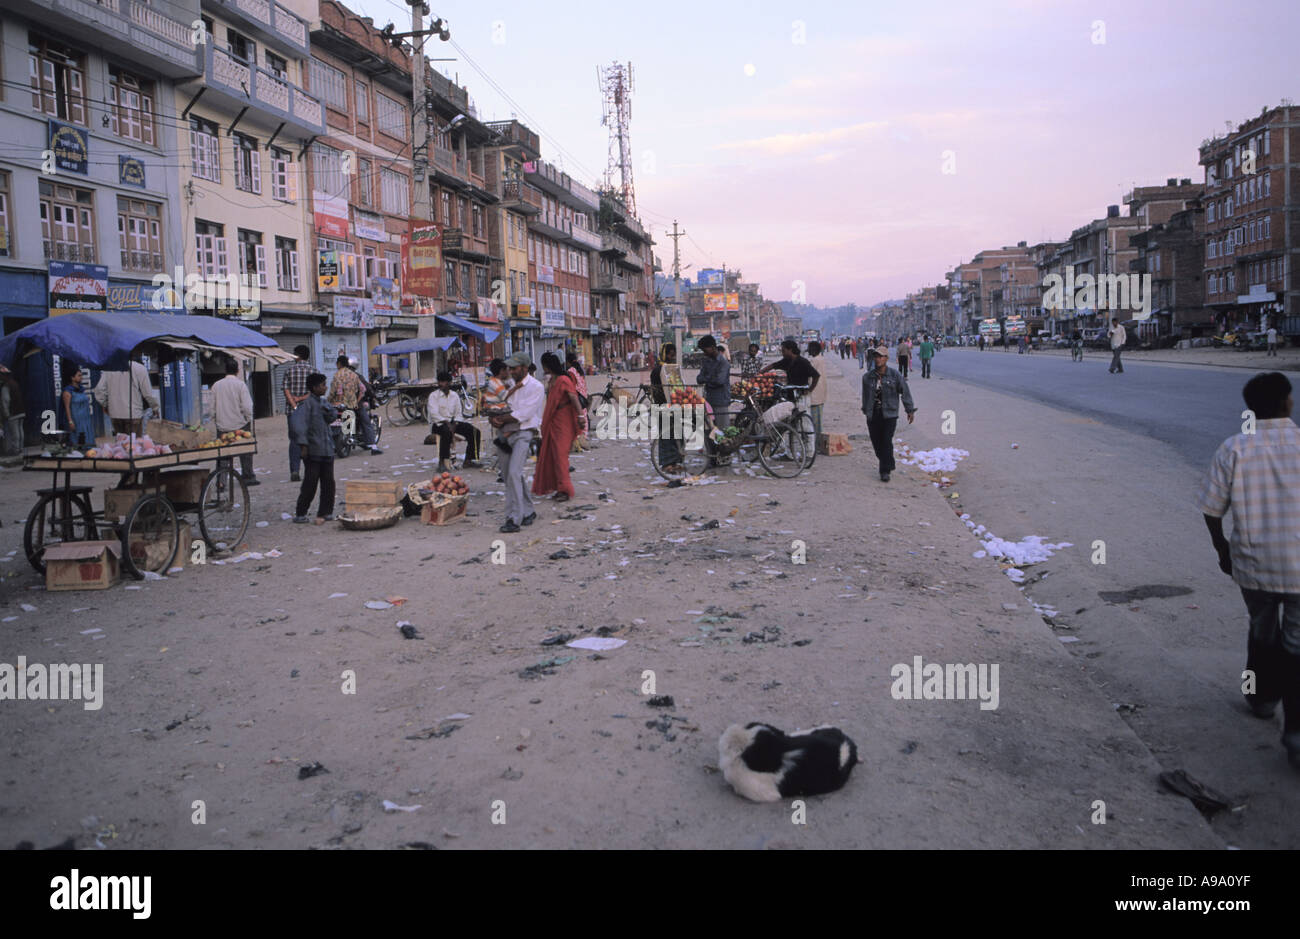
371	519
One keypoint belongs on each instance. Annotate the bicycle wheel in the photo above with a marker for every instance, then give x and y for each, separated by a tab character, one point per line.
809	432
412	408
48	526
151	536
223	509
393	412
673	457
782	451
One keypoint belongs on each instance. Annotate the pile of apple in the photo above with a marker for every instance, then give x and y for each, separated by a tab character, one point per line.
229	437
688	397
450	485
742	388
765	384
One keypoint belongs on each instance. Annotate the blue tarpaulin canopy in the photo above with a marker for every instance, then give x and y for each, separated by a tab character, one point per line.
407	346
465	326
106	340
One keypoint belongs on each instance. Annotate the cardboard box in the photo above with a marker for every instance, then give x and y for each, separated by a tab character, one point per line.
151	554
187	536
833	445
446	512
82	565
118	502
184	485
180	437
361	494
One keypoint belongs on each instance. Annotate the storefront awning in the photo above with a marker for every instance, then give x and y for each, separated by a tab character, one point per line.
465	326
407	346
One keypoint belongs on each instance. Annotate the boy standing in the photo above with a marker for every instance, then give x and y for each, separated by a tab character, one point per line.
311	422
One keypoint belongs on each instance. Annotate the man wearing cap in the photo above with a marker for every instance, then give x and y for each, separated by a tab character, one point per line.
527	401
882	387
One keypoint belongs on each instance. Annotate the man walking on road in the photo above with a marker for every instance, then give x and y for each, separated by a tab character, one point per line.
1254	475
882	387
526	406
927	353
1117	339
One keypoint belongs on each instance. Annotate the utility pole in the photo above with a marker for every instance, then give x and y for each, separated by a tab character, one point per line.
420	102
679	319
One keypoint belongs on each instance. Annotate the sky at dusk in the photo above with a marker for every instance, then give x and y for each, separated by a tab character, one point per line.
805	141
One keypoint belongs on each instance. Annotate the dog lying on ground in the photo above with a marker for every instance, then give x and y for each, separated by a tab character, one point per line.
764	764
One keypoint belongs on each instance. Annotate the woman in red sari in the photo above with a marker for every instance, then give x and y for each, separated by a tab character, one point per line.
559	428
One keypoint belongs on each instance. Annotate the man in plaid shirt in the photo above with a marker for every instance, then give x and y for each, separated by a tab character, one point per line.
1256	474
750	364
295	391
347	390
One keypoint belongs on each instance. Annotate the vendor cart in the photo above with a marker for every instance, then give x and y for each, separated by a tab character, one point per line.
149	526
409	403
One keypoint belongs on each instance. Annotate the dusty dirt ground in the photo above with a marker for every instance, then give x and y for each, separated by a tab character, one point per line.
222	681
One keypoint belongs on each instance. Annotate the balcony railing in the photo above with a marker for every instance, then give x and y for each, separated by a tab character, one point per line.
307	108
69	251
293	28
230	71
272	90
265	90
606	281
142	261
517	194
586	238
148	18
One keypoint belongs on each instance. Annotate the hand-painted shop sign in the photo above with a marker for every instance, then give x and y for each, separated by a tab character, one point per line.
142	298
130	170
553	319
71	146
353	313
249	311
78	288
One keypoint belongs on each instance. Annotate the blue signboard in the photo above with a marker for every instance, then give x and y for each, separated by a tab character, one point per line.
130	170
71	146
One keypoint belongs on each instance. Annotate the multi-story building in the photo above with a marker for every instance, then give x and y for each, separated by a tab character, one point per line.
504	159
88	188
623	281
1252	241
359	173
248	118
563	239
1173	253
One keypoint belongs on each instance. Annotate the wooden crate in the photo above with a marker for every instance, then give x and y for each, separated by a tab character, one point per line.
118	502
833	445
180	437
184	485
446	512
82	565
362	494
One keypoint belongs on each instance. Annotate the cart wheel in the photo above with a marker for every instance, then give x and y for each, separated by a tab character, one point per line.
782	452
151	536
48	525
678	461
223	509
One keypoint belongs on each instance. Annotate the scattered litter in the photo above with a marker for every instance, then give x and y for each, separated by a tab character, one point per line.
152	575
335	596
558	639
597	644
394	807
27	608
661	701
87	632
408	630
313	769
378	605
262	525
170	570
1068	638
1207	801
312	570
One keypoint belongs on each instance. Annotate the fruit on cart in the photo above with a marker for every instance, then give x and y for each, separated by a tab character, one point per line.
450	485
686	398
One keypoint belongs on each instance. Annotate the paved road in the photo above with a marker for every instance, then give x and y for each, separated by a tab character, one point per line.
1191	408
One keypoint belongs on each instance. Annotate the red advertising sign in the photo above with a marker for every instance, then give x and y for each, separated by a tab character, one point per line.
421	262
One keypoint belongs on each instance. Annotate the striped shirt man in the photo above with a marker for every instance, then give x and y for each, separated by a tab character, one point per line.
1257	476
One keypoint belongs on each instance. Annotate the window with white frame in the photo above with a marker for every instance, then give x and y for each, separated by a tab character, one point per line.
139	231
286	264
532	245
327	170
130	106
248	165
1227	207
363	102
446	208
1268	188
449	279
394	193
205	149
1266	136
375	266
1267	227
67	222
284	178
1209	212
252	257
390	116
210	243
330	84
6	229
365	182
58	78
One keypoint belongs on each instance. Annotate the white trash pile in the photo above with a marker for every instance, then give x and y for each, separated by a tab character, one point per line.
1028	550
938	460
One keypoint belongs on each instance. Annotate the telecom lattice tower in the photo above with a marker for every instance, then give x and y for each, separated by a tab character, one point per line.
616	90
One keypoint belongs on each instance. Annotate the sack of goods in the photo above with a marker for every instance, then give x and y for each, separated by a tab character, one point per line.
778	412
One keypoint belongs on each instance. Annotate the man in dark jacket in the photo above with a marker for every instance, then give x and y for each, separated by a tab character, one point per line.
310	424
715	376
882	388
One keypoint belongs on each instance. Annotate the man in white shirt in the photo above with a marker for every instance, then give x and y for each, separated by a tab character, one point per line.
1117	339
234	411
448	417
125	395
1272	339
527	401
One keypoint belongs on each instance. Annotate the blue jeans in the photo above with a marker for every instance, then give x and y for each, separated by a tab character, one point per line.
1273	654
295	451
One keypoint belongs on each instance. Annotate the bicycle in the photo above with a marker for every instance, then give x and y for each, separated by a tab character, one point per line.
802	419
1076	350
778	444
603	398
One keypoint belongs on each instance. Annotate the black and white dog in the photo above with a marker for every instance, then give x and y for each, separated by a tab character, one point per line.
765	765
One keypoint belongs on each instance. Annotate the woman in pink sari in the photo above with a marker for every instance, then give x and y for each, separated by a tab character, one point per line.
559	428
576	372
